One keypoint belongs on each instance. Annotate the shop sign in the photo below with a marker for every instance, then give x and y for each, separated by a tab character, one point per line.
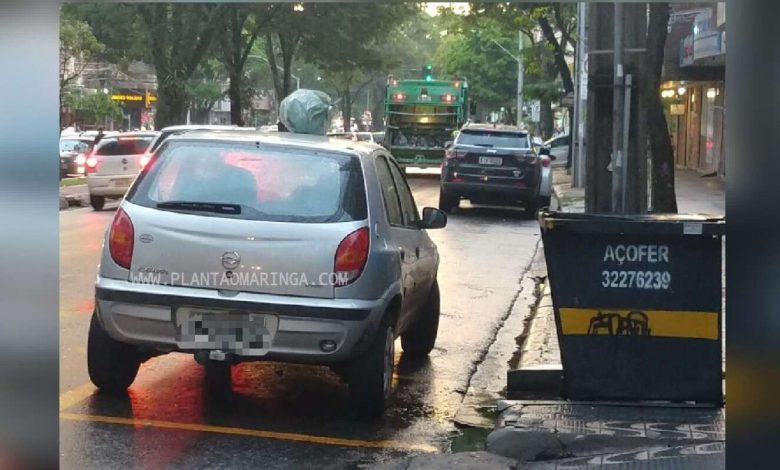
686	51
677	109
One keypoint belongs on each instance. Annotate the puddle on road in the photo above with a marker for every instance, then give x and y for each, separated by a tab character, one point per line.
467	438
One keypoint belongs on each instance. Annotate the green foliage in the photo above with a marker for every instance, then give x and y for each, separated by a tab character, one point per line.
76	42
95	107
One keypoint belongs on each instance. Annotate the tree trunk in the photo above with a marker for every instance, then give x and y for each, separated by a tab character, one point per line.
346	110
171	104
558	54
664	197
234	92
545	118
572	131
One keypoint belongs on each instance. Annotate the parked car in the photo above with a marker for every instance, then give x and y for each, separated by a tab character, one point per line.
559	148
113	165
545	184
491	164
334	226
72	154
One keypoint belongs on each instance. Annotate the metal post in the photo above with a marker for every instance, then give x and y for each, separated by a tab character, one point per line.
519	77
574	118
582	48
626	124
617	112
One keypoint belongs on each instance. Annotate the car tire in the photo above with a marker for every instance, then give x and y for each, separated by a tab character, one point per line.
97	202
531	207
112	365
418	340
448	202
370	375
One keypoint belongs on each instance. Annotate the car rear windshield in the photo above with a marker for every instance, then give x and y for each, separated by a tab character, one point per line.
271	184
493	139
124	146
74	145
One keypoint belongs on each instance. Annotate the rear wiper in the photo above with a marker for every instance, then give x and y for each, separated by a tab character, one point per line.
218	207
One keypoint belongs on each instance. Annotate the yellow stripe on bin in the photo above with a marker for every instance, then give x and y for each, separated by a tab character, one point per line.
661	323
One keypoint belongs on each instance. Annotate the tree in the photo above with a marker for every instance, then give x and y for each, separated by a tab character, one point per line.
347	45
244	24
662	172
179	37
94	107
77	44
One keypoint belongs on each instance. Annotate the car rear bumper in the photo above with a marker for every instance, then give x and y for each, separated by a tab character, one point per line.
109	185
473	190
145	315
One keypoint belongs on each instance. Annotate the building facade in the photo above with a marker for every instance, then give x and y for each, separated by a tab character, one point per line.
693	90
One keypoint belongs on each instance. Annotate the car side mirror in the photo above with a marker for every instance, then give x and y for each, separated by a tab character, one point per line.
544	151
432	218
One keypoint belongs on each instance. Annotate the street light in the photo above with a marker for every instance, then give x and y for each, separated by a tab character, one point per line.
519	73
297	79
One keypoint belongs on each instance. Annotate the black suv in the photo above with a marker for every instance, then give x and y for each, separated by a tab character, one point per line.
491	164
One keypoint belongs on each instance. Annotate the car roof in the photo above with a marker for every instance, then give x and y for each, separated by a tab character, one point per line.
188	127
123	135
494	128
307	141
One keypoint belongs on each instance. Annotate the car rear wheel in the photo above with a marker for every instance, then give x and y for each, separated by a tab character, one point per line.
531	206
419	339
370	375
97	202
448	202
112	365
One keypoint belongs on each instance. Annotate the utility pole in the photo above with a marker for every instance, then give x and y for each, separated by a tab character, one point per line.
519	77
617	113
581	104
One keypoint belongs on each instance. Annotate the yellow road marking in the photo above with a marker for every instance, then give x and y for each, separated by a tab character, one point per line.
663	323
284	436
76	395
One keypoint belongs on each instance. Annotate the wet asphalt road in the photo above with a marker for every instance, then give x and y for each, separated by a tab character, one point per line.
282	415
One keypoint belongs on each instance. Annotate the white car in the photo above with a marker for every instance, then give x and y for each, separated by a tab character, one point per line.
559	148
113	164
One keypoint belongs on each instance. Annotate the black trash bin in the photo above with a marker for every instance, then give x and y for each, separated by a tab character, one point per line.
637	302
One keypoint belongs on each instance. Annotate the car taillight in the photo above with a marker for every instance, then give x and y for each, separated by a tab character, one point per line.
528	157
144	160
81	159
351	257
91	162
450	154
120	239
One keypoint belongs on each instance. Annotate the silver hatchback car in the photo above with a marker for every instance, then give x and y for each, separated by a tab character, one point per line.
239	246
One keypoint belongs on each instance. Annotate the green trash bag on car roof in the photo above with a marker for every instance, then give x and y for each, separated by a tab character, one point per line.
306	112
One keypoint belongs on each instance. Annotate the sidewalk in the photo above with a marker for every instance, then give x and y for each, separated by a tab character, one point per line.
76	195
569	435
695	194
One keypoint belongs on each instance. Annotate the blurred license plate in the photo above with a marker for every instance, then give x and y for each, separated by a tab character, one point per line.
120	182
248	334
491	161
